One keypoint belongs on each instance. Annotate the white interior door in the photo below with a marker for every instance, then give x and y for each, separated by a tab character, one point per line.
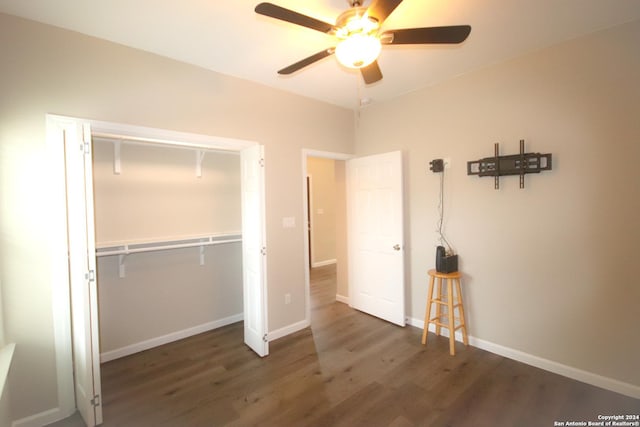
82	268
254	250
375	236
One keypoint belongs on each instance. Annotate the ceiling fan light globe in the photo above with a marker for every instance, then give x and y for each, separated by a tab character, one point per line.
358	50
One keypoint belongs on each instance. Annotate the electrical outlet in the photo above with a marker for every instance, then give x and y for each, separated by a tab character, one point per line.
447	162
287	298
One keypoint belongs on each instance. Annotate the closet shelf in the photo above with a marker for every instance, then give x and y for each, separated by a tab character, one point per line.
132	247
122	249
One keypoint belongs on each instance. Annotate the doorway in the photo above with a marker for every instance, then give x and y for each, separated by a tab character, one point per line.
325	195
325	212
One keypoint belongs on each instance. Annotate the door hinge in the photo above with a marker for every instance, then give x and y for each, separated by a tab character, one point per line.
90	276
263	251
264	338
261	163
95	401
86	138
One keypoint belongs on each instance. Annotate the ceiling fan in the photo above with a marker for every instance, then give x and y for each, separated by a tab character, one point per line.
359	39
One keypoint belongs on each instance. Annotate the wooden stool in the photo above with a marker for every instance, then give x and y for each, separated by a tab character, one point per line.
450	304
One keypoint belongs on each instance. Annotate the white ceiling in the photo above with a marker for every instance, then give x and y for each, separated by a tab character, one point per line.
227	36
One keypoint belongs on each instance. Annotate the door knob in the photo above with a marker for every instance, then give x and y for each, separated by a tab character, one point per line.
396	247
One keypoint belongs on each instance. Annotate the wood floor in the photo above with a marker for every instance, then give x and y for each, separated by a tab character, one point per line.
348	369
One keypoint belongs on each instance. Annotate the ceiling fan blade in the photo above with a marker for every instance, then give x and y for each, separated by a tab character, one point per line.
307	61
371	73
274	11
429	35
381	9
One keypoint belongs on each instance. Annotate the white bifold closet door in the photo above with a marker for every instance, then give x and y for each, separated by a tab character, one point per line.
82	272
254	250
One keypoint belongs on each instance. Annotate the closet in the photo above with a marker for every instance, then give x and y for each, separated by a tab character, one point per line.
168	243
168	262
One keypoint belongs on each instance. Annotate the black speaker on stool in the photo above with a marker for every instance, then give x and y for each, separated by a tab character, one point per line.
445	263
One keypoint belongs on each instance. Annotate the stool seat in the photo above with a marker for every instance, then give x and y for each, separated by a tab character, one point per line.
451	303
453	275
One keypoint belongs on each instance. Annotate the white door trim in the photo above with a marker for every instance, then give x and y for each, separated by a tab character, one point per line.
58	248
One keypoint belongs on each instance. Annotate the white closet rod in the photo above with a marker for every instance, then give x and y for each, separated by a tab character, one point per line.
126	250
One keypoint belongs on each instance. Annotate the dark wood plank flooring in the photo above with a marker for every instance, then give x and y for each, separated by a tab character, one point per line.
348	369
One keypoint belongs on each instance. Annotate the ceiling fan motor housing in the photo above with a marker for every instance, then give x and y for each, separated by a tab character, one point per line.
355	20
359	37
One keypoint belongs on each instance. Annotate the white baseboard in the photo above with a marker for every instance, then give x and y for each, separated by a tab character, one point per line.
165	339
558	368
294	327
323	263
43	418
607	383
342	299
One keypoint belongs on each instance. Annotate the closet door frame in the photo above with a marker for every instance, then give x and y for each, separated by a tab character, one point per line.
62	307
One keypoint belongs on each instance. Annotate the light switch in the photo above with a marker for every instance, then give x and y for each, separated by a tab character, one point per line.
288	222
320	211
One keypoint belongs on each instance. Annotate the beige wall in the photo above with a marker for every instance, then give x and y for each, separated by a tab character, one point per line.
157	196
323	212
5	410
548	270
167	292
6	353
48	70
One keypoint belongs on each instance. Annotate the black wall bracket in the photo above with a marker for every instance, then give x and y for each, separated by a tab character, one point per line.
436	165
516	164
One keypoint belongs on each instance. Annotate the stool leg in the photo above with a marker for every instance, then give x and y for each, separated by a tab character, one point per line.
438	306
451	317
427	315
461	311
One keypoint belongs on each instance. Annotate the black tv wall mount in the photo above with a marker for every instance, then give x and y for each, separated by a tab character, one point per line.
516	164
